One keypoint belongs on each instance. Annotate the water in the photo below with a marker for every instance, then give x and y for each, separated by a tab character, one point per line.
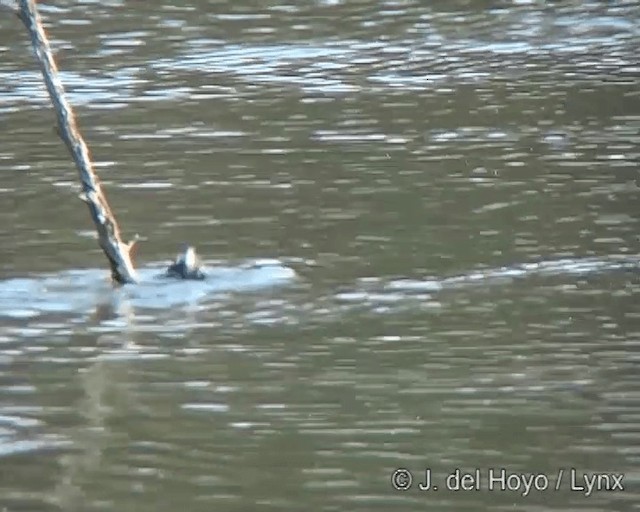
420	224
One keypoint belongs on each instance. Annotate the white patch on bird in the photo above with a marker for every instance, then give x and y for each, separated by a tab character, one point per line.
189	258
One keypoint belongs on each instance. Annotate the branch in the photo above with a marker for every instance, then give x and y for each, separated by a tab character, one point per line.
118	252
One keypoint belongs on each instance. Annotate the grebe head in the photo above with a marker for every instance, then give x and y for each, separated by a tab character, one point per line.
187	256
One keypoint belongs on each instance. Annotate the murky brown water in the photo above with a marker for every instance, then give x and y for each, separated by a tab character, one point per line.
455	185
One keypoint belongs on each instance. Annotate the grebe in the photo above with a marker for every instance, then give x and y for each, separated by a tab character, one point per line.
187	264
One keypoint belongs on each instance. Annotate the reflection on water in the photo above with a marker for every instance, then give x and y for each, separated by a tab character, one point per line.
75	291
447	195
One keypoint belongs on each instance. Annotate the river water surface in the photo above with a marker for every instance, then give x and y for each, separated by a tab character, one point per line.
420	224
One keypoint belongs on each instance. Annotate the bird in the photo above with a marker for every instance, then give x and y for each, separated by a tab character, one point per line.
187	264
